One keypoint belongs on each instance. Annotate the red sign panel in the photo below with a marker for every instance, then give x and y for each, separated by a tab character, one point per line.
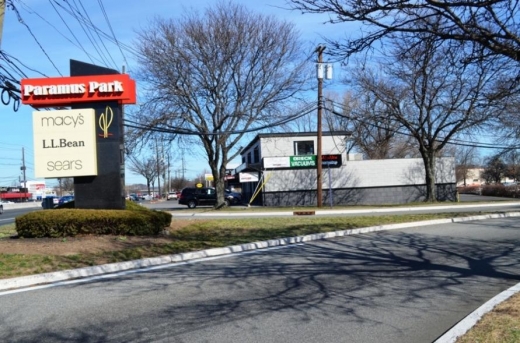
333	161
63	91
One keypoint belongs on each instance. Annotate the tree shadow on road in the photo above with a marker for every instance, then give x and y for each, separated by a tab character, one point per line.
346	281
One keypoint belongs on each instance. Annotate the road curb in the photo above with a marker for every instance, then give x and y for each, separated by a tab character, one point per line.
14	206
46	278
245	212
469	321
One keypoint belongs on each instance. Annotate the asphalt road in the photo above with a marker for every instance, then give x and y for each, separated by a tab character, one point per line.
408	285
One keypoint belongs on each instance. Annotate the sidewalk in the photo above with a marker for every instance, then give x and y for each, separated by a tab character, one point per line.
245	212
15	205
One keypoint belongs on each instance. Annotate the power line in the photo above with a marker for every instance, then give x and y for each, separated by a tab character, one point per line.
76	14
111	30
97	33
93	27
79	45
452	141
182	131
87	25
58	31
21	21
7	57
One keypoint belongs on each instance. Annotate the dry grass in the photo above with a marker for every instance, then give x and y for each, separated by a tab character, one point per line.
502	325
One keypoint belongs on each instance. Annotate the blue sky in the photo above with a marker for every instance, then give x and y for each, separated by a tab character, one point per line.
61	38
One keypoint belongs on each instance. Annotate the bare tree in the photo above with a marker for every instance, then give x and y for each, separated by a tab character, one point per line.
306	123
465	160
432	96
488	27
178	183
507	130
512	160
373	136
145	166
65	185
217	76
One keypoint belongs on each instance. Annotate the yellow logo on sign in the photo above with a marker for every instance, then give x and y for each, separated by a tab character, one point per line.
105	120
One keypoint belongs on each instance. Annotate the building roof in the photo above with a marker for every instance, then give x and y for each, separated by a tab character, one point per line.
293	134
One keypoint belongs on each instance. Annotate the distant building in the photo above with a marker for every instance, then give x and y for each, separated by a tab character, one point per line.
473	177
38	190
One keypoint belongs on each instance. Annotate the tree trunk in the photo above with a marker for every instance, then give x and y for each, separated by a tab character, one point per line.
218	181
429	166
219	187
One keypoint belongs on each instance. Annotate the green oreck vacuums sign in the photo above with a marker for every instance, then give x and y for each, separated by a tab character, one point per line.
301	161
304	161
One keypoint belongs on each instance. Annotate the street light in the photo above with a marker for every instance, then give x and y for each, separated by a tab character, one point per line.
320	73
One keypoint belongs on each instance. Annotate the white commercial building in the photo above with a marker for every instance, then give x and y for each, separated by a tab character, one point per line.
280	170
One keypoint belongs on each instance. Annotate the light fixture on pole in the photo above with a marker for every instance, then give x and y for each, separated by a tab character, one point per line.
320	73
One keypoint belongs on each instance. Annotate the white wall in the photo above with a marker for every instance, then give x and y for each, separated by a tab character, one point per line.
361	174
284	146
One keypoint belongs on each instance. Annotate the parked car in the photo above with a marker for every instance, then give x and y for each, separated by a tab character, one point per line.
171	196
146	197
204	196
234	197
65	199
133	197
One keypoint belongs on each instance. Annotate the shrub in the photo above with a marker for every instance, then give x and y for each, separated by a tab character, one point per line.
512	191
134	221
494	190
469	189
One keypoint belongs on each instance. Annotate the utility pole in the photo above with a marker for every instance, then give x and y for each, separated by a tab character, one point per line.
321	72
158	166
122	150
23	168
166	187
183	168
169	172
2	13
319	69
